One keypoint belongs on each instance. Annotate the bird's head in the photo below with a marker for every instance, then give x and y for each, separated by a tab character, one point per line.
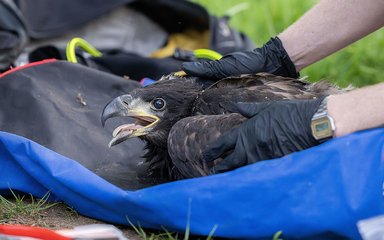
156	108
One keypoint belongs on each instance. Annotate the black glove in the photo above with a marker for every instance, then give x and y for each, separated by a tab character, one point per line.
273	130
271	58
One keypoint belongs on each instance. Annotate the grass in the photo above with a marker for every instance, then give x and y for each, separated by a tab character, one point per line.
14	210
359	64
28	210
166	235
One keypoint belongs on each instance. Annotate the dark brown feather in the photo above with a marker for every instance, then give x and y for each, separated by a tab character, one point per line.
261	87
189	137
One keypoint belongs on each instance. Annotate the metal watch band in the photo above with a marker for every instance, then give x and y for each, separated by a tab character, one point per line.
322	110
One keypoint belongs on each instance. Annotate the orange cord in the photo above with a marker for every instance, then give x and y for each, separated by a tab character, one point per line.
29	231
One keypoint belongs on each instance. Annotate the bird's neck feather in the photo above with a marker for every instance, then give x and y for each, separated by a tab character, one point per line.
160	164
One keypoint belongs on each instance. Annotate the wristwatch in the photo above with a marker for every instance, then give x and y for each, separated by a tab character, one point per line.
322	125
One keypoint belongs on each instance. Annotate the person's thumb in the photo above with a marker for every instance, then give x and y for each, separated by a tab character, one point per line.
200	69
251	109
215	70
225	143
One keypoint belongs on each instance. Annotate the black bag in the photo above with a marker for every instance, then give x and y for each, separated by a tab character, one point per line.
58	105
13	36
45	19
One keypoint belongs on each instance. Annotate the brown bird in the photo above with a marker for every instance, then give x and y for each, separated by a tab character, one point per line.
179	116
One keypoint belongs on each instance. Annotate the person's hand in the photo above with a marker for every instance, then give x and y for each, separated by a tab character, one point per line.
271	58
273	130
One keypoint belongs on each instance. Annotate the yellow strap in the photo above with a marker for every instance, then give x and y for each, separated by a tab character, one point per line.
207	54
79	42
202	53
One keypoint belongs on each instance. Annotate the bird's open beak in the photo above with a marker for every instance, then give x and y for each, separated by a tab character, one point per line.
122	106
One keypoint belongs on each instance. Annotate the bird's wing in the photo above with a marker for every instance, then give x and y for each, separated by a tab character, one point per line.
190	136
261	87
286	86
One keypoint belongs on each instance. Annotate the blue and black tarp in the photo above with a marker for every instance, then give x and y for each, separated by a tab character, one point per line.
319	192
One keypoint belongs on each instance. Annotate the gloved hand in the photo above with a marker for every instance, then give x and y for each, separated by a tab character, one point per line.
271	58
273	130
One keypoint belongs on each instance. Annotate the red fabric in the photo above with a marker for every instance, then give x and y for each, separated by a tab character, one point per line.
27	66
29	231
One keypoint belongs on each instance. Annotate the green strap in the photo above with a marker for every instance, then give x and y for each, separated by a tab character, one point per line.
207	54
79	42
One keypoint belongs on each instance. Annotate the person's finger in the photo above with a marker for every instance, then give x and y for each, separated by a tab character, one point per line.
220	146
230	65
251	109
235	160
205	69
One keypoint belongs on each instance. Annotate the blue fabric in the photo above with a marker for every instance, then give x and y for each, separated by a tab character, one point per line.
323	190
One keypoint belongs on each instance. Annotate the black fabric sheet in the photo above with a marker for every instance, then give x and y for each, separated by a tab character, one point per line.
58	105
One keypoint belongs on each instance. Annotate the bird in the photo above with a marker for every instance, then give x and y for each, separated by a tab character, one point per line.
179	116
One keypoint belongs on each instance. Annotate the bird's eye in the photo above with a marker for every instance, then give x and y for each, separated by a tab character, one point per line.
158	104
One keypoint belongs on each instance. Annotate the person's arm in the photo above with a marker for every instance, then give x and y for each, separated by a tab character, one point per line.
330	26
326	28
357	110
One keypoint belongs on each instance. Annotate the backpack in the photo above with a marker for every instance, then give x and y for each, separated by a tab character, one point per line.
188	26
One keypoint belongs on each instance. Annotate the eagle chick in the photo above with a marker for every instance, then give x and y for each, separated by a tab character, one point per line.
179	116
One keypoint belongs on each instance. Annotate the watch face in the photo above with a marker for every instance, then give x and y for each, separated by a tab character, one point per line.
321	128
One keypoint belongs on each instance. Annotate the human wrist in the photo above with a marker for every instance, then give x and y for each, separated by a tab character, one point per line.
340	113
358	109
301	54
280	62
